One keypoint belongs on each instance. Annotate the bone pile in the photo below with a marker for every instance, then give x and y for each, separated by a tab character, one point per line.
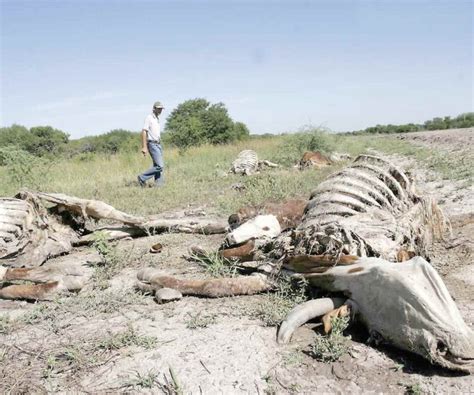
28	236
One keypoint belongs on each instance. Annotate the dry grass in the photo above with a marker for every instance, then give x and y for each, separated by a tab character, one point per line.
199	176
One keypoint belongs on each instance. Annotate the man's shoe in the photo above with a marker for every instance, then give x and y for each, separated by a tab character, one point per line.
140	182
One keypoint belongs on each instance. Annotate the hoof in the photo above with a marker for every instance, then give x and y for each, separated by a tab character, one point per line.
156	248
165	295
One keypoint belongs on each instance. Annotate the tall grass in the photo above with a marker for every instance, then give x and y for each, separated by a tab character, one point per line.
198	177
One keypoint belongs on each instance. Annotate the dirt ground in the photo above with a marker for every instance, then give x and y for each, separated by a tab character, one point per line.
215	346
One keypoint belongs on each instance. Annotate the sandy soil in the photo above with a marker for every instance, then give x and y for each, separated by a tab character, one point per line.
232	352
452	140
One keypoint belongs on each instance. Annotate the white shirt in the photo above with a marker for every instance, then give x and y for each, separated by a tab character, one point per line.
152	127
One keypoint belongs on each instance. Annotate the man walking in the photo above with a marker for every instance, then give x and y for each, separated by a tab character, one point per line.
151	142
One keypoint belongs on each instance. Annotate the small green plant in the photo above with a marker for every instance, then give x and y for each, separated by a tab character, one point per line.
333	346
293	358
216	265
144	380
76	357
199	320
111	260
129	337
413	389
40	313
171	385
275	306
51	365
5	324
3	355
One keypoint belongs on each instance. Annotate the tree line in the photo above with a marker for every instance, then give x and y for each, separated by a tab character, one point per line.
465	120
194	122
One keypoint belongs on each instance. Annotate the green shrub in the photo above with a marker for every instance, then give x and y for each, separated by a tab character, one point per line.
331	347
308	139
196	122
275	306
24	169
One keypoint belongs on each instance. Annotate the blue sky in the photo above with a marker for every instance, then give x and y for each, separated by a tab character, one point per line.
87	67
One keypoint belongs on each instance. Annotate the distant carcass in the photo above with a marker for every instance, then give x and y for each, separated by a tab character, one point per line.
247	163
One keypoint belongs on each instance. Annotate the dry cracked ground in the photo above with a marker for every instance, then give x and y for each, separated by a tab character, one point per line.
116	340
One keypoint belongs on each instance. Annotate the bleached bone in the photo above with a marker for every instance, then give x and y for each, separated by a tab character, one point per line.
406	303
258	227
339	156
87	208
28	235
36	226
149	280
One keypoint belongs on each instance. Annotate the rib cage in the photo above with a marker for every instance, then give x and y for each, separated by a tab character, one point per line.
367	209
246	163
28	236
369	183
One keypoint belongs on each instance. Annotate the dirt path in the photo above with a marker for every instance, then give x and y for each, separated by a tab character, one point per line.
120	341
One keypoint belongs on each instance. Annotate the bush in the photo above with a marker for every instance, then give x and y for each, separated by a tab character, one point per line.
196	122
113	142
23	169
309	139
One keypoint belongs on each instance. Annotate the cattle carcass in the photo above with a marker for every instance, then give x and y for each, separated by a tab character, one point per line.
371	209
354	227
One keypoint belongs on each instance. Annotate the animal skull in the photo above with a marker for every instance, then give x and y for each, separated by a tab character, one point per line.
258	227
406	303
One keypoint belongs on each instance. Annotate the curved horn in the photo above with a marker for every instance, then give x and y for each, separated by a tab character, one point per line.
305	312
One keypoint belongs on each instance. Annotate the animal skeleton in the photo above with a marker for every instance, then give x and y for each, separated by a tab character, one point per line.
247	163
37	226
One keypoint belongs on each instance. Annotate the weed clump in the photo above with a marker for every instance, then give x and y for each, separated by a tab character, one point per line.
112	261
215	265
5	325
146	380
127	338
333	346
200	321
275	306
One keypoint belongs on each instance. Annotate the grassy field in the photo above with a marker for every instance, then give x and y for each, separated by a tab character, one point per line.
198	177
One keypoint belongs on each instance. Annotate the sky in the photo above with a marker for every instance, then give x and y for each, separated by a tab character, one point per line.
89	66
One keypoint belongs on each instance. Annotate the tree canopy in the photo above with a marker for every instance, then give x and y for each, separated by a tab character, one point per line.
196	121
39	140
